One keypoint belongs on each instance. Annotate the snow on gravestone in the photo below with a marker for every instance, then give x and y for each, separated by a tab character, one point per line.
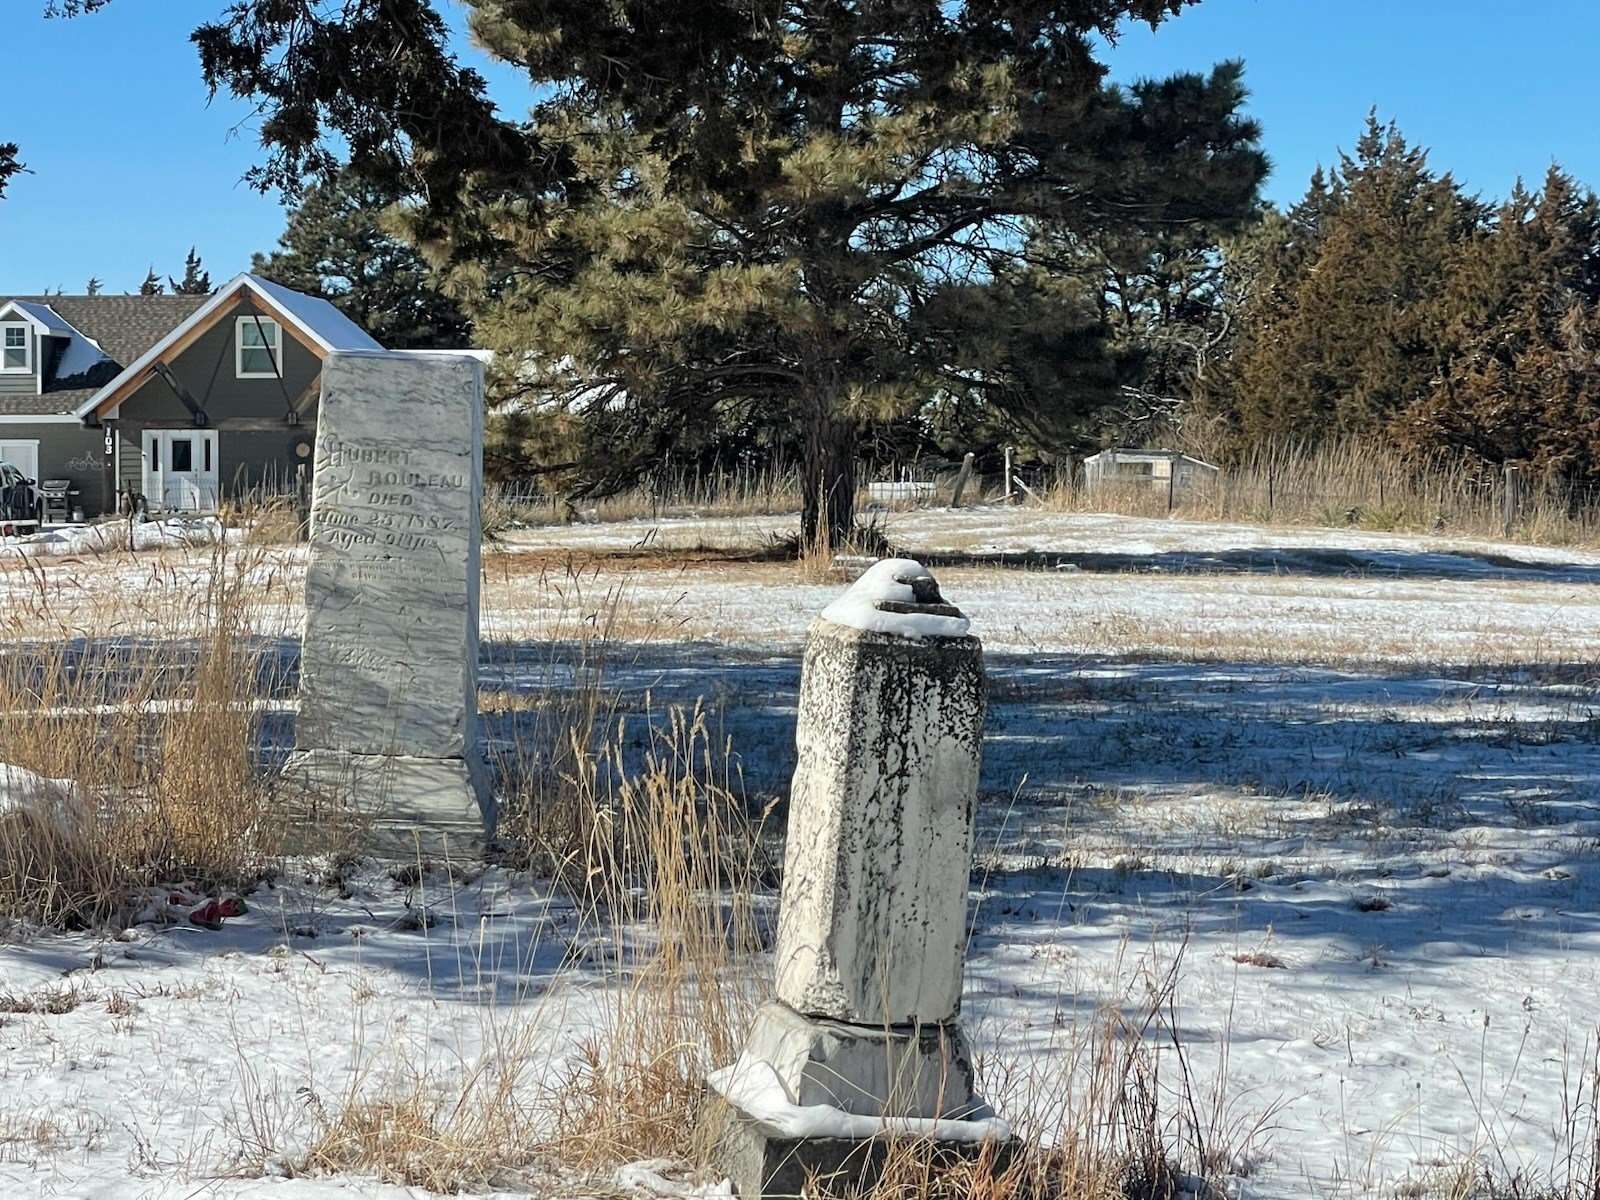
880	827
388	666
872	920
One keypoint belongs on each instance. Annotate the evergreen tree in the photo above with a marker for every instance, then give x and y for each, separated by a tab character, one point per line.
93	287
196	281
152	284
1521	384
805	215
9	166
1341	330
1165	300
336	246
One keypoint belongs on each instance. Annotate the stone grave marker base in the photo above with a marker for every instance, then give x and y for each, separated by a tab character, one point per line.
920	1071
764	1163
434	803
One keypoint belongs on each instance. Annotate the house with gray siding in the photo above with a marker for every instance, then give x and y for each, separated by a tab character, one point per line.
166	403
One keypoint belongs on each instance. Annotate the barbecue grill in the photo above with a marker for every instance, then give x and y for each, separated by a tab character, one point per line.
57	495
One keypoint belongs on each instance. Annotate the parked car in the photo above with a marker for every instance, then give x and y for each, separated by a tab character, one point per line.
20	497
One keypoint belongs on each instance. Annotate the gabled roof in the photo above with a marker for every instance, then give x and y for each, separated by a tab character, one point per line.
123	326
317	317
43	316
77	360
313	321
95	336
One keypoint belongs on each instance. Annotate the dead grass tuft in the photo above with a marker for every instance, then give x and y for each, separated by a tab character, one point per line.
419	1135
144	748
674	869
1352	484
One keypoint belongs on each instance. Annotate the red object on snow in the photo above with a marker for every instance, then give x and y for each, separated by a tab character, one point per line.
213	912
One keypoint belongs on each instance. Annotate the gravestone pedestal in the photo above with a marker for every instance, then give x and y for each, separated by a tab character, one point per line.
863	1037
434	803
388	664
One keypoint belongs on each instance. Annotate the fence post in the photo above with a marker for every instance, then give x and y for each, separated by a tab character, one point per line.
1172	484
1272	471
1513	496
1010	496
961	480
302	503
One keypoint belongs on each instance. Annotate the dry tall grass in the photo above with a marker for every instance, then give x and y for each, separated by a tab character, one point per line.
1351	483
407	1122
150	739
1343	483
682	865
744	491
559	731
661	973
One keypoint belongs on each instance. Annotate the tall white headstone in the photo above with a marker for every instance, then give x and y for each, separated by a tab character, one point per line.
389	658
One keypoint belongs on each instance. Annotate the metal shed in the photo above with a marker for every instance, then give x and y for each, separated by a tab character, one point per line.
1170	470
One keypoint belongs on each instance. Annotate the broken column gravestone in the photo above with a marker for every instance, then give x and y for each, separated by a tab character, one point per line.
389	657
863	1039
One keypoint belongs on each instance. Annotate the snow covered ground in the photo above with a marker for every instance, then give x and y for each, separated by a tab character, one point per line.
58	540
1342	788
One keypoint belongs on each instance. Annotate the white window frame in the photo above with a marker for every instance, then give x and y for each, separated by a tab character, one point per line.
274	347
27	347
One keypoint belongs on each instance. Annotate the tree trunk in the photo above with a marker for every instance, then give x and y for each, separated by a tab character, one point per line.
828	513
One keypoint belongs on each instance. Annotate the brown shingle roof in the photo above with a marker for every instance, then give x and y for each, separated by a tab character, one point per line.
125	326
48	405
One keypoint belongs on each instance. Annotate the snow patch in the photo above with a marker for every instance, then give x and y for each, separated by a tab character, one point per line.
662	1177
114	535
23	791
754	1087
893	581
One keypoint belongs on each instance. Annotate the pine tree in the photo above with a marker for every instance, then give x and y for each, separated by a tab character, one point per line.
1341	331
196	281
336	246
93	287
797	216
1521	384
9	166
152	284
1164	298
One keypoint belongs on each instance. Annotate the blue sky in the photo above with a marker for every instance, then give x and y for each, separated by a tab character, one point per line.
132	165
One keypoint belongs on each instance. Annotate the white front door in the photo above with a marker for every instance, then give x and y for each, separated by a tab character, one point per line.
180	469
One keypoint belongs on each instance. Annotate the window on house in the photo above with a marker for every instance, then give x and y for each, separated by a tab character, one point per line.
16	348
260	348
182	455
